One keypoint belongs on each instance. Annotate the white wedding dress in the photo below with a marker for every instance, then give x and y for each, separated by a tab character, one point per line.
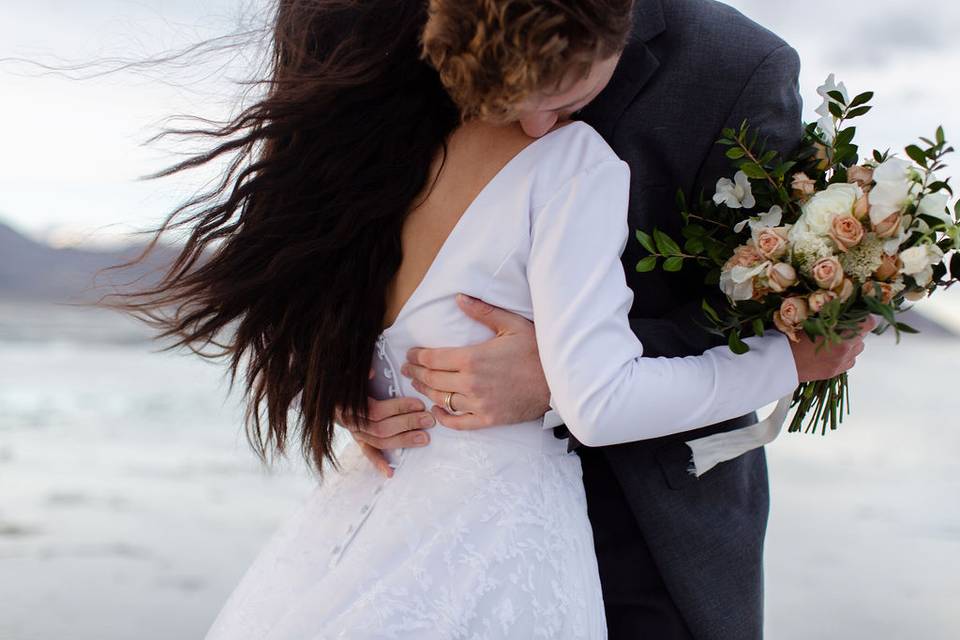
484	534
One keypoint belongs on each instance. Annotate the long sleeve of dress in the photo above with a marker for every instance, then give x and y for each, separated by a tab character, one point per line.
602	388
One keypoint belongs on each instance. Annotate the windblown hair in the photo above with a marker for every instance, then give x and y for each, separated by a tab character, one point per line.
288	261
493	54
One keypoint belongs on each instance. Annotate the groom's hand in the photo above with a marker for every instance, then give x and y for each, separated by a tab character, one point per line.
497	382
816	361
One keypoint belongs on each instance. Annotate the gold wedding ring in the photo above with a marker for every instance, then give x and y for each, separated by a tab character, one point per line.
448	402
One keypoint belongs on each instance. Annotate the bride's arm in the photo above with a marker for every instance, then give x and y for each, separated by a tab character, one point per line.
602	388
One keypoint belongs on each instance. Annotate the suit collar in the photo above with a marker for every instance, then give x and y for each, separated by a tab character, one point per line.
637	65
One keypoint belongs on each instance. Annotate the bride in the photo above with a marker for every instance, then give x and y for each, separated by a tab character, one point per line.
360	201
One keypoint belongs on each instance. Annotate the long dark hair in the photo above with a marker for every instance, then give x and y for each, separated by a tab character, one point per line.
288	260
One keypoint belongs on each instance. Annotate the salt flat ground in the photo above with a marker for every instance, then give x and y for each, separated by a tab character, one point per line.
130	504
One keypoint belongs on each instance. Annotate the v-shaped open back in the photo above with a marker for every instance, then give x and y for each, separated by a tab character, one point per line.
500	174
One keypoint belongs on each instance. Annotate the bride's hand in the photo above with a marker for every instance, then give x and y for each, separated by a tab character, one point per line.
497	382
397	423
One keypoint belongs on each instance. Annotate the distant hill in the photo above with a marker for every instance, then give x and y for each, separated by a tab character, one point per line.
31	270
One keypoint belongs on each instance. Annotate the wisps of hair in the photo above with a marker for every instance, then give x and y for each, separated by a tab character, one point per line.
288	258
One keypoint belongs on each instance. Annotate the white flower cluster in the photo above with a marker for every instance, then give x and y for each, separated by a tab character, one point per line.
863	260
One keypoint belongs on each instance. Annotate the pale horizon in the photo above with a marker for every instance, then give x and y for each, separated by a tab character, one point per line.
75	148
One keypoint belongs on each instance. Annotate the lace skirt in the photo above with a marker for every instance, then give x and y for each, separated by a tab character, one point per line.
469	539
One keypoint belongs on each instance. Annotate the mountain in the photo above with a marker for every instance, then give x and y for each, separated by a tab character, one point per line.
31	270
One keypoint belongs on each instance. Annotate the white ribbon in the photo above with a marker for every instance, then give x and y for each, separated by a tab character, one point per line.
710	451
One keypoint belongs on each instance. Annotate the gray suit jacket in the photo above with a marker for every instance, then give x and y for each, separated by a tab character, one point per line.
692	68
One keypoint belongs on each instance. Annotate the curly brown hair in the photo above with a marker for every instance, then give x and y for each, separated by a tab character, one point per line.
493	54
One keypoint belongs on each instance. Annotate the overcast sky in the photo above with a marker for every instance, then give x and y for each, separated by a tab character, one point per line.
71	150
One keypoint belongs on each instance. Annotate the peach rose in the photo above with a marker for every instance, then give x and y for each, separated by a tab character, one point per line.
844	290
888	227
781	276
828	273
862	208
819	299
772	243
788	319
885	289
744	256
860	175
803	186
846	231
889	267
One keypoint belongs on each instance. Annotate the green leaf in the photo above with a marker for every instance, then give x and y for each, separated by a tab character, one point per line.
782	170
646	241
693	231
647	265
862	99
665	244
859	111
838	96
753	170
694	246
917	155
729	133
845	136
737	345
710	311
941	138
836	110
735	153
940	185
955	266
673	264
905	328
758	327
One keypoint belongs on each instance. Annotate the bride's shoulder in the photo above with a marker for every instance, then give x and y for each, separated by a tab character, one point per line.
566	152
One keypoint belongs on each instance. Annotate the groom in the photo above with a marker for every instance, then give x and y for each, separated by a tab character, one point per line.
680	556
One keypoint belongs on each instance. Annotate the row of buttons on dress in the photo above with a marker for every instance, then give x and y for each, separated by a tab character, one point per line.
389	372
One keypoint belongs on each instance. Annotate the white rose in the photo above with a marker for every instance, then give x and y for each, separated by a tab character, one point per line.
895	188
836	200
919	261
935	206
736	193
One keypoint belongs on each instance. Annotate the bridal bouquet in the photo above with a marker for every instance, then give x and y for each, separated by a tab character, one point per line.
818	241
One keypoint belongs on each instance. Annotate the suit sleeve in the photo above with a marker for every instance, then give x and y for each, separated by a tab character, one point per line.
770	101
603	389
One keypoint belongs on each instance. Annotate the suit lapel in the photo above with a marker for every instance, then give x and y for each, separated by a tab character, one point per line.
637	66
